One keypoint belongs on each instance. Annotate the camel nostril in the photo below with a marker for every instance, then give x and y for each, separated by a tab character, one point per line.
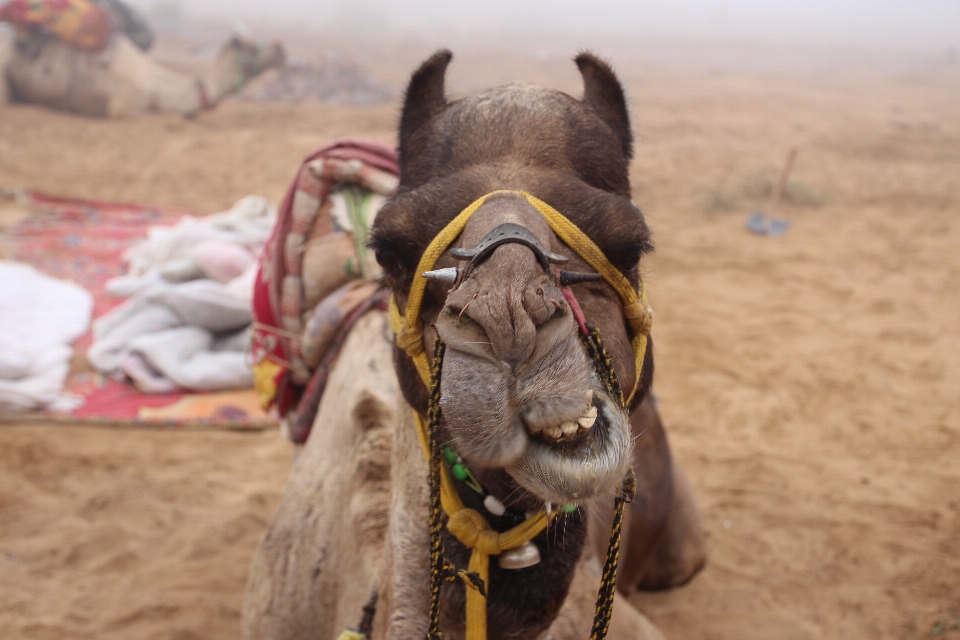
460	311
464	309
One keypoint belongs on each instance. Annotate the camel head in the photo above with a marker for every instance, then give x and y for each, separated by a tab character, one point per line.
251	58
519	393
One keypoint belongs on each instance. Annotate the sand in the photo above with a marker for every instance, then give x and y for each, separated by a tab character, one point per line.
810	383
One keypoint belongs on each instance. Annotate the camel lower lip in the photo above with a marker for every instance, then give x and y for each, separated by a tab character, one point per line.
578	469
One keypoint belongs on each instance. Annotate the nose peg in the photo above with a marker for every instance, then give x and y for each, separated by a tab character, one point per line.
567	278
449	274
506	233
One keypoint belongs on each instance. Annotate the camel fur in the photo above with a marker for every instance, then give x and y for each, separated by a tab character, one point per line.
514	372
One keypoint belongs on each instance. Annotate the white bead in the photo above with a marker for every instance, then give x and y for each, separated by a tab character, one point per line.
494	506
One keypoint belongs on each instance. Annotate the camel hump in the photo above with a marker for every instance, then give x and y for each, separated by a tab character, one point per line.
603	92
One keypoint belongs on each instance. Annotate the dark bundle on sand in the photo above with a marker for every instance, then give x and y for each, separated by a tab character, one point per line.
333	81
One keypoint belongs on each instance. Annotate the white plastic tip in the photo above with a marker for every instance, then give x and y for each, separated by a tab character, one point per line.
445	275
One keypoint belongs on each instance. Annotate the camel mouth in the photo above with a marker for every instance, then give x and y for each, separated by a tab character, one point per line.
562	437
580	467
568	433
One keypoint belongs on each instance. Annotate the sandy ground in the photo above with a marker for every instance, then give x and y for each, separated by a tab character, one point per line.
810	383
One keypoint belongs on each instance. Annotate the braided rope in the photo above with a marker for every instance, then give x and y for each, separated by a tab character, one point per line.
437	564
608	581
604	364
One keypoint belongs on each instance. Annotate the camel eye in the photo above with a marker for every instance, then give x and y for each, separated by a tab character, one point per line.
626	255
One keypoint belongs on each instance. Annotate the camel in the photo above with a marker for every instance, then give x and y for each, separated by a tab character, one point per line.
123	80
543	431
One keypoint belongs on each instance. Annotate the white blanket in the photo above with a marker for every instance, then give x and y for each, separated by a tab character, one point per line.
40	317
184	326
169	337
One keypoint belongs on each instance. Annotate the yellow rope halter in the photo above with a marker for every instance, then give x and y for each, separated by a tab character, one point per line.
468	525
636	309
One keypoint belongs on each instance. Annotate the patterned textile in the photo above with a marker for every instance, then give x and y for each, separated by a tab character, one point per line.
354	168
300	423
80	23
84	241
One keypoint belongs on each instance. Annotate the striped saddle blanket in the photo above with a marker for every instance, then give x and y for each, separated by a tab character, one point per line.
317	275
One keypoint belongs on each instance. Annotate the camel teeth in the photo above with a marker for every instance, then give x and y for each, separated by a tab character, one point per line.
569	429
588	418
553	432
588	398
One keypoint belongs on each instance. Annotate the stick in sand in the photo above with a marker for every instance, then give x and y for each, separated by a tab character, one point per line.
782	182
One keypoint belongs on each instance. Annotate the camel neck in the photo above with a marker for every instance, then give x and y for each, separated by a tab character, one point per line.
521	603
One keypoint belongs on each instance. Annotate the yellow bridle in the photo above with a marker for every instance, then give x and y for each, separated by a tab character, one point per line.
468	525
636	309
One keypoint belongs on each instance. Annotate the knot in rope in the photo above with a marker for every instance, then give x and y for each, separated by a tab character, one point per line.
410	339
640	316
474	532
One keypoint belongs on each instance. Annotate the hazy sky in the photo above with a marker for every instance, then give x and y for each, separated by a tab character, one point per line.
918	27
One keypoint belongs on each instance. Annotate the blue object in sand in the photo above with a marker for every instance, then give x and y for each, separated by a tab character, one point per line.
764	226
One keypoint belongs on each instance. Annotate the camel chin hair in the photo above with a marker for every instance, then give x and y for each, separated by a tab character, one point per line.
593	469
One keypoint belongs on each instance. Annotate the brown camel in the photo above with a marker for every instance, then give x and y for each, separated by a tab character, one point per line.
523	405
123	80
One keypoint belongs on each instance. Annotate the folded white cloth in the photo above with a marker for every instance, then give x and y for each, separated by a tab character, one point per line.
190	288
196	359
40	317
168	337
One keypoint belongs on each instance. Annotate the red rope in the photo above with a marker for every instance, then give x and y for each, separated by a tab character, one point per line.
577	311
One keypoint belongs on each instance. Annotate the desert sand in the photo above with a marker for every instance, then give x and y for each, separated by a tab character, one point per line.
810	383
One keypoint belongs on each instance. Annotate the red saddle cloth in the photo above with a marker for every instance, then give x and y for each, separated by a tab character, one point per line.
283	377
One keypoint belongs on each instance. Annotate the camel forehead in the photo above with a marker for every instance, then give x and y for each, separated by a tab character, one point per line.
520	96
524	122
533	109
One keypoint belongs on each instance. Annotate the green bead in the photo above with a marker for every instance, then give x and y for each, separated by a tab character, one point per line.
459	472
568	508
449	455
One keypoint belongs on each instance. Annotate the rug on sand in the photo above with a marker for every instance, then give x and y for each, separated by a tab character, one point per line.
83	241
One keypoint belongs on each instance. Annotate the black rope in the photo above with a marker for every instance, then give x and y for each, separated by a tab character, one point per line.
437	564
608	580
369	610
604	364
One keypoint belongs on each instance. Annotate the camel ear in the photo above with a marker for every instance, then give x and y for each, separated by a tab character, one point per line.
425	94
603	91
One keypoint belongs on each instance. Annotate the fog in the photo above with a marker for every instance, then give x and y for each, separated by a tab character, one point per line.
884	31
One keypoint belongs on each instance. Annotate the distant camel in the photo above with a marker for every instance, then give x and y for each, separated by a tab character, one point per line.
512	240
123	80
